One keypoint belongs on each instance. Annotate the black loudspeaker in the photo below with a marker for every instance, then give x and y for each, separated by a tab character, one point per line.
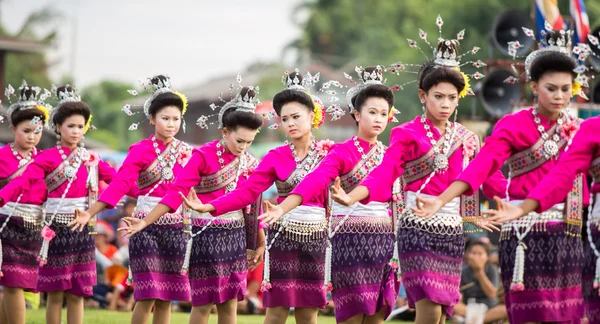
595	93
508	28
497	96
595	59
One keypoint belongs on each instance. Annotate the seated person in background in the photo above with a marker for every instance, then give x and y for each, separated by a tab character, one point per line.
479	281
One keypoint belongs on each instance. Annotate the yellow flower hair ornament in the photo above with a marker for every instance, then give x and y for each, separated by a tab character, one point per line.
392	115
576	89
44	110
467	89
184	100
88	125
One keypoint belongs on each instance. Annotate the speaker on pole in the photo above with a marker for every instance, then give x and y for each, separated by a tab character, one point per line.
595	59
508	28
595	93
499	97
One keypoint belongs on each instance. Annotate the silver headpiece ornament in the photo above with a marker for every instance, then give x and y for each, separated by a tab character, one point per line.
561	44
444	57
30	100
67	94
239	102
163	85
365	79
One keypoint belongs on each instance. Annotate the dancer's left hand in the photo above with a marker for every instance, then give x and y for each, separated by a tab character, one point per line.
256	258
134	225
427	207
272	214
505	212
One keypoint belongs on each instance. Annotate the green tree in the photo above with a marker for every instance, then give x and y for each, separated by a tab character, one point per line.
106	98
32	67
345	33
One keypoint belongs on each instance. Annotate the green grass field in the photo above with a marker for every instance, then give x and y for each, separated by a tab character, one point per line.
95	316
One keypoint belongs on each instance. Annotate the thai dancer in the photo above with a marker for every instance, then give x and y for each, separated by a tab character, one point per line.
541	254
21	219
429	153
151	165
66	177
216	252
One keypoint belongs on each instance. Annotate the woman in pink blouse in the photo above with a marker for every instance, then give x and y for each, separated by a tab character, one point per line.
216	254
582	157
70	174
541	253
21	219
156	255
428	153
293	275
362	237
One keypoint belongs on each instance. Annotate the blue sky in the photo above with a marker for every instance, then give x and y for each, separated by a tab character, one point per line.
191	41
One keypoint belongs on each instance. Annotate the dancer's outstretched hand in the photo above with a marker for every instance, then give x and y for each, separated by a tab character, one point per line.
505	212
272	213
80	221
427	207
487	224
339	195
134	225
193	202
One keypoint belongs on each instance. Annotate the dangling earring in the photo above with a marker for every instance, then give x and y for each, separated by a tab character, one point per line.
423	105
535	99
58	136
455	114
81	143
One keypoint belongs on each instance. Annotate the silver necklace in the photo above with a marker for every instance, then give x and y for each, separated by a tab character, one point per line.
71	167
377	157
311	160
550	143
441	153
167	163
22	161
242	165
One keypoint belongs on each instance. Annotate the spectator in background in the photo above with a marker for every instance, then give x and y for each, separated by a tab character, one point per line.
479	283
105	235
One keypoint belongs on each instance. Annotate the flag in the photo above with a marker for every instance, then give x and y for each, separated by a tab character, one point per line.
581	21
547	10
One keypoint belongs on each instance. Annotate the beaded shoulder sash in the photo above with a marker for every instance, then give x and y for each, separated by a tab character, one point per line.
57	177
532	158
424	166
285	187
152	173
223	177
595	170
5	181
350	180
251	213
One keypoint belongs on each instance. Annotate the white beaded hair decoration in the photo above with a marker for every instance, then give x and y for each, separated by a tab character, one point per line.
298	82
561	44
445	57
163	85
245	102
28	101
365	79
67	94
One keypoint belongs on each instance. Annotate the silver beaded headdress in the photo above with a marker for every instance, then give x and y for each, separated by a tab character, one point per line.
245	102
163	85
443	57
34	100
67	94
561	44
365	79
304	83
